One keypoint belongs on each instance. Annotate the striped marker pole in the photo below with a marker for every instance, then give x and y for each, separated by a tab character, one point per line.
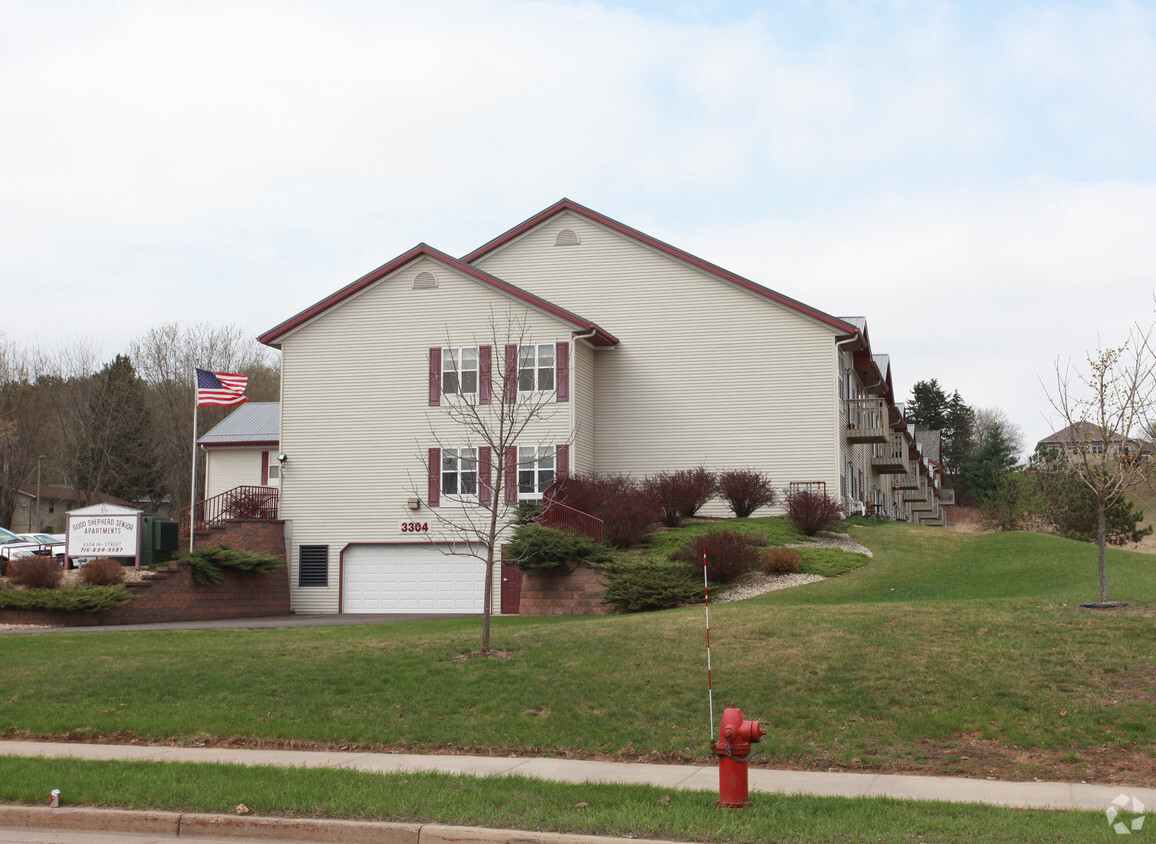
706	602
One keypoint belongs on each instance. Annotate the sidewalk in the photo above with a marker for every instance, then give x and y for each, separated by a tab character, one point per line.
1026	795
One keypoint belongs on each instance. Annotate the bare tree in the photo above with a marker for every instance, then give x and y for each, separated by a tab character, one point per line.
492	393
984	419
1106	410
165	358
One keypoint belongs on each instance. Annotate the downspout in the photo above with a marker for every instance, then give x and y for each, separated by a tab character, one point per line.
574	383
838	429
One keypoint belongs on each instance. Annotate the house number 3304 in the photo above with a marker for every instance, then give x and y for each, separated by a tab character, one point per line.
414	527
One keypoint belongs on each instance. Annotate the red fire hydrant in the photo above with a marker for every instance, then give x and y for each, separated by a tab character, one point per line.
733	748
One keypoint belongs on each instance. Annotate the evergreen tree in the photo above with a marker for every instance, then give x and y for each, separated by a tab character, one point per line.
1069	507
956	434
984	469
116	450
928	406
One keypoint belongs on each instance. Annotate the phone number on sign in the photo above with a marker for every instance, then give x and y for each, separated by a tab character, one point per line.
413	527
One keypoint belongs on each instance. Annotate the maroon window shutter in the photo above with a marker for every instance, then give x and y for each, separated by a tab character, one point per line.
485	490
561	461
511	384
264	468
435	376
485	357
434	493
562	376
512	474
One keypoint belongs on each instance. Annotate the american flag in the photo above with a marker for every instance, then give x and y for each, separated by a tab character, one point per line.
220	388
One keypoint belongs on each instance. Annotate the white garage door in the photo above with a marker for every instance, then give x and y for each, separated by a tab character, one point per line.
411	578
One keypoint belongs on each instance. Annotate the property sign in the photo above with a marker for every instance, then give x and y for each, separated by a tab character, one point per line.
103	536
413	526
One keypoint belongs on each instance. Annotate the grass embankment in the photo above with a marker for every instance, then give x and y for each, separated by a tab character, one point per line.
519	803
948	654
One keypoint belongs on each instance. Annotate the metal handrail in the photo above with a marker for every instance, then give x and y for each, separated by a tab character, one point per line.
561	516
240	502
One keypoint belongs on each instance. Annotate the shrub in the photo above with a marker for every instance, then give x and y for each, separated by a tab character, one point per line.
208	563
811	512
627	512
680	494
102	572
643	583
541	550
35	572
76	599
728	555
249	504
745	491
781	561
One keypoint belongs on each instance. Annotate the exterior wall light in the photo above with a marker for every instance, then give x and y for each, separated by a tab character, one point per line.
414	503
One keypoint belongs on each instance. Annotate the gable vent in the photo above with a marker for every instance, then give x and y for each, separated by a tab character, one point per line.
425	281
567	237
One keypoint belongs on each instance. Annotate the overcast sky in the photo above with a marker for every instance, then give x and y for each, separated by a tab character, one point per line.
977	179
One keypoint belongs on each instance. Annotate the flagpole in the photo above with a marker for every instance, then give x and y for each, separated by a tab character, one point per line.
193	490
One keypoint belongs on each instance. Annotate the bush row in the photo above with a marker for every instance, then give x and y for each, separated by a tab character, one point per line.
628	507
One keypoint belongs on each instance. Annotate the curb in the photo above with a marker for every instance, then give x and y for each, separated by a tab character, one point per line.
305	830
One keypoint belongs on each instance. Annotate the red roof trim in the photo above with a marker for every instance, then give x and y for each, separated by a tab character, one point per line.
654	243
244	444
274	336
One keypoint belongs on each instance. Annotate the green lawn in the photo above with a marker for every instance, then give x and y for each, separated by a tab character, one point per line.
519	803
948	654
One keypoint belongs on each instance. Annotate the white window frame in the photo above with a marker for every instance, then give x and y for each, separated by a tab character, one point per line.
461	456
532	353
453	358
531	456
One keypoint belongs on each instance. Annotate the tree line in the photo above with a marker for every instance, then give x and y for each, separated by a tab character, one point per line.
121	427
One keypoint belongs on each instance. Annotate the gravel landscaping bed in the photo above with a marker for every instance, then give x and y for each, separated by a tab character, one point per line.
756	583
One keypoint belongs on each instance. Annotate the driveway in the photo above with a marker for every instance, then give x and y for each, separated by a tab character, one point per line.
293	620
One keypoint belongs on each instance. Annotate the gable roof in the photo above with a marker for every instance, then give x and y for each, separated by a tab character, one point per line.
252	423
565	205
275	335
1084	433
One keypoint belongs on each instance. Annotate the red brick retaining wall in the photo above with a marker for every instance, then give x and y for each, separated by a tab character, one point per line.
171	594
577	593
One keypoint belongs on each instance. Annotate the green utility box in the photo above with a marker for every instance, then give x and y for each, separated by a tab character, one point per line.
158	540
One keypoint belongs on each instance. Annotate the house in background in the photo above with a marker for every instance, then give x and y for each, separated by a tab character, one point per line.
242	449
1092	439
650	358
55	502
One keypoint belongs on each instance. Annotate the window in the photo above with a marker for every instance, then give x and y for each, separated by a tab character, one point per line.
459	474
313	565
536	368
1097	448
536	466
460	373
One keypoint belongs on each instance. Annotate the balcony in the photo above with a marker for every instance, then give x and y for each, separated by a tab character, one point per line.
906	481
890	458
867	421
946	496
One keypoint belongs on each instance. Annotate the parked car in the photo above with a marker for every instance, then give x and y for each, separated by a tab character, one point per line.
12	547
53	544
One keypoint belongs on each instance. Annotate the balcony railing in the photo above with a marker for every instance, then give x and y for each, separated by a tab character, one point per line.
866	421
946	496
906	481
890	458
241	502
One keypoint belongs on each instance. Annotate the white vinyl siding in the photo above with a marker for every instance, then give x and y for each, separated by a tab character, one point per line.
706	373
232	467
356	420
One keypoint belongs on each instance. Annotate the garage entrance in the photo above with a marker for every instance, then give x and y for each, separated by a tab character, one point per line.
416	578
